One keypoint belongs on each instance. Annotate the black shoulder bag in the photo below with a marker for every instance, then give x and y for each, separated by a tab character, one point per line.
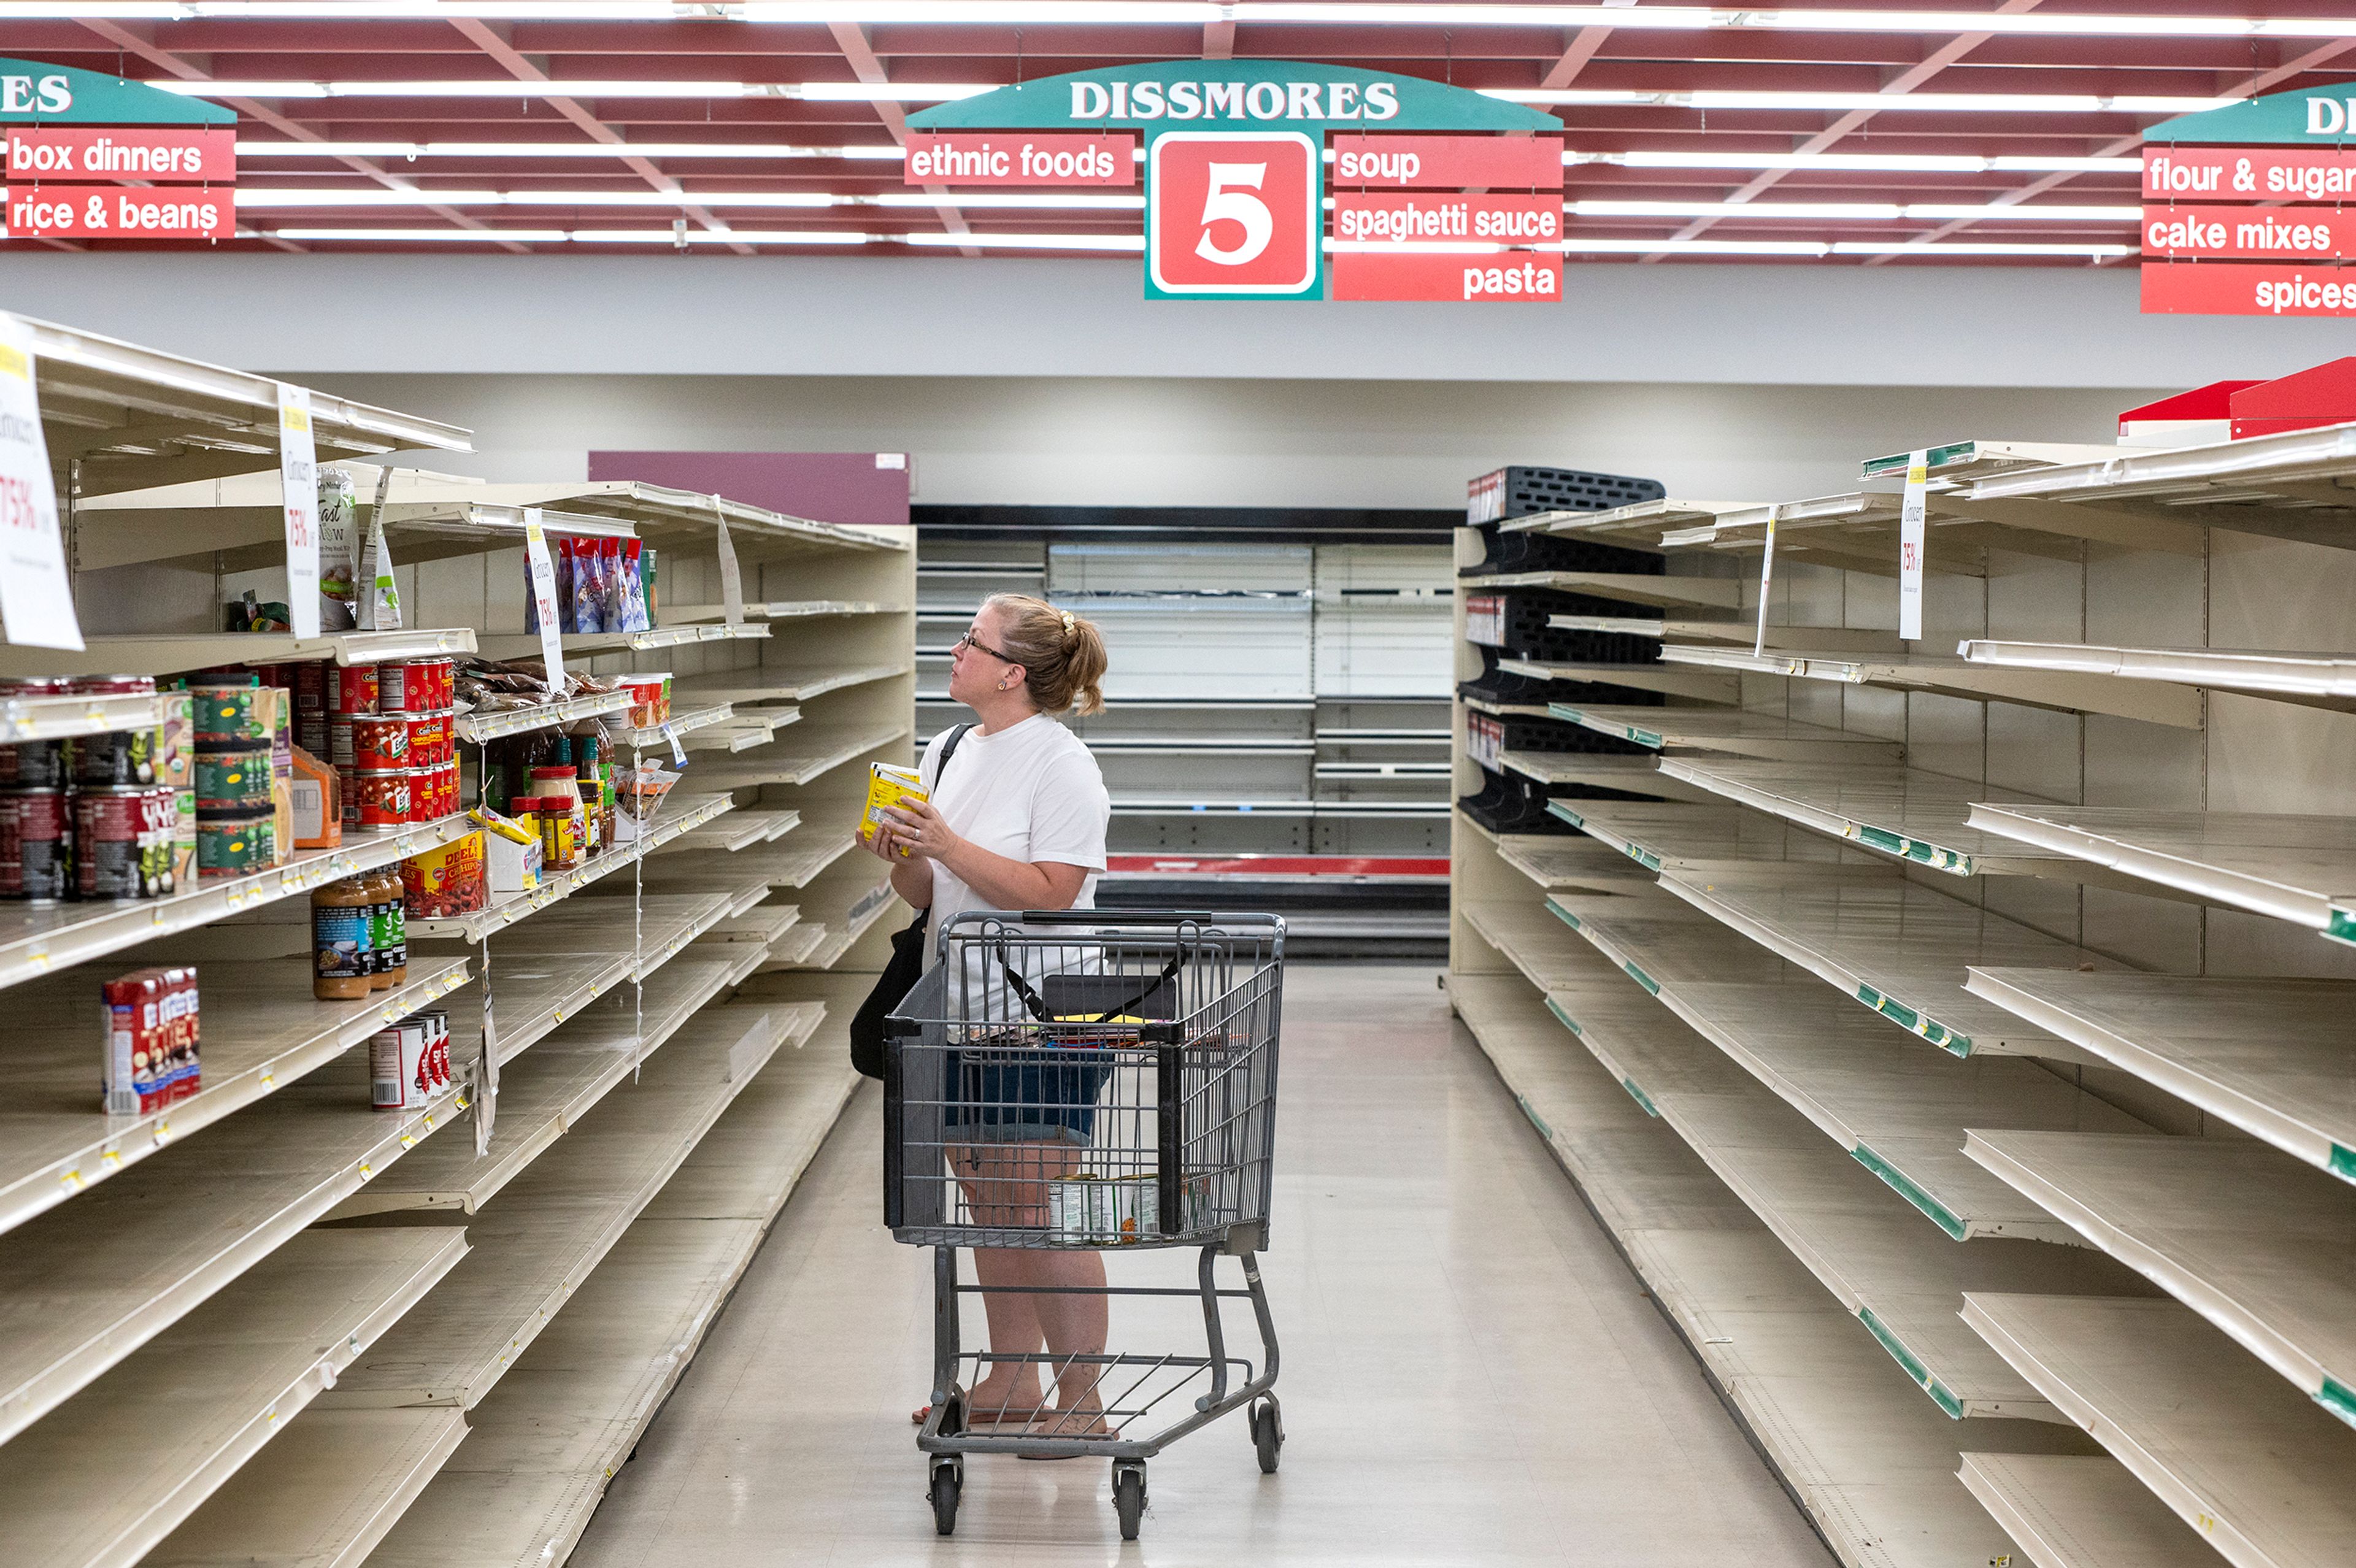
904	968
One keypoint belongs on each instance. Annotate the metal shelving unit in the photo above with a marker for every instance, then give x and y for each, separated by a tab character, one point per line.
1709	593
816	750
1673	834
164	1302
2081	1512
1732	731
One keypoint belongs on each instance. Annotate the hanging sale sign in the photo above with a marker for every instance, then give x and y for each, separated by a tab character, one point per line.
37	607
542	571
298	480
1913	519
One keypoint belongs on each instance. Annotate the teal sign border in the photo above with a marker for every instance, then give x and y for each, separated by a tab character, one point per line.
2279	119
1218	94
93	99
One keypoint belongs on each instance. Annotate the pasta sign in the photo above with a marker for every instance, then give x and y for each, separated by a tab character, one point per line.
1236	157
2244	208
97	158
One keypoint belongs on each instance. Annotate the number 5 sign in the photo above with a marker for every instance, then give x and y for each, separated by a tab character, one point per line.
1233	214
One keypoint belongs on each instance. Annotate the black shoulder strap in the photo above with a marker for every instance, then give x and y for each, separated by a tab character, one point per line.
949	750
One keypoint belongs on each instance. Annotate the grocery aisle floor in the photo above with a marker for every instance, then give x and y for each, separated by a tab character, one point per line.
1470	1375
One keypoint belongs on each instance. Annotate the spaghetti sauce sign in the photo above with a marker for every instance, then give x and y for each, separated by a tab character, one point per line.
1235	159
96	157
2246	209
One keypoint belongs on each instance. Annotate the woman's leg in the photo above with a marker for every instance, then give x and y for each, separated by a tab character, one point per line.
1013	1388
1072	1325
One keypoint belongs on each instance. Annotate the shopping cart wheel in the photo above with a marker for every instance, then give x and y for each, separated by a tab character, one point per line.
1129	1497
1268	1436
946	1485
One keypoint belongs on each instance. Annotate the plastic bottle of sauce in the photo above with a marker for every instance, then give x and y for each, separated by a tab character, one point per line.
390	928
340	947
557	785
593	807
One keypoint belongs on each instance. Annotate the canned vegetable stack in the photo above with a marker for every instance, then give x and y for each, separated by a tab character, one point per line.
245	768
392	736
98	817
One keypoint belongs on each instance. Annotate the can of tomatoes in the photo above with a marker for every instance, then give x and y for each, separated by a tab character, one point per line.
382	796
356	688
379	741
36	846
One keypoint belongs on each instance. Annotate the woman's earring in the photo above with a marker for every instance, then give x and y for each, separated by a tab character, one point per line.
1001	686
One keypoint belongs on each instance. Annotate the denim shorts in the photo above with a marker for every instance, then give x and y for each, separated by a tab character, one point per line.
1003	1100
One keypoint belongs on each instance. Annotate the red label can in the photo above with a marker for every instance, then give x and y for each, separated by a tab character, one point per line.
431	738
36	846
382	797
400	1078
117	837
356	689
309	682
379	741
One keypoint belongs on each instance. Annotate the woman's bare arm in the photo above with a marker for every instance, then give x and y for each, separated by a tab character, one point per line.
1002	881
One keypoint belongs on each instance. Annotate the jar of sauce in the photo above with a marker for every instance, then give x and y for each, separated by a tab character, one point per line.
342	953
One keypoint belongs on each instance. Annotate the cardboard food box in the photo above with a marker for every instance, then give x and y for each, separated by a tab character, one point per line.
887	786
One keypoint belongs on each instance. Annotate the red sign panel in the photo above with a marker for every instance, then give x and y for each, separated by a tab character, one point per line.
2296	233
1516	277
1232	214
1447	163
113	212
2248	174
1010	157
1492	219
162	154
2246	289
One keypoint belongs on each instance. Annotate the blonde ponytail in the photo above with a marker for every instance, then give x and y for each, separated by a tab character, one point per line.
1061	654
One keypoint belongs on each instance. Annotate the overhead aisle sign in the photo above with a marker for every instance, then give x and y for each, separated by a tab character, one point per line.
2245	207
89	157
1235	159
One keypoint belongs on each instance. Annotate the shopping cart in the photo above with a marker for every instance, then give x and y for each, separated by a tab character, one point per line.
1098	1080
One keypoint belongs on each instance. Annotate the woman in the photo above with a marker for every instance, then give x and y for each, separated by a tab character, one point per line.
1017	822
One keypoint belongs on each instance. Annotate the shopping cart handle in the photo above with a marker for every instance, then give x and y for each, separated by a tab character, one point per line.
1117	917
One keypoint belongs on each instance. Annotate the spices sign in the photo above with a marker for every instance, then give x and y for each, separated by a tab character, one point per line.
1235	156
2231	195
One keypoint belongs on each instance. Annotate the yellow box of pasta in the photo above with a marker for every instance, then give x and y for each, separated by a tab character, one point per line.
887	786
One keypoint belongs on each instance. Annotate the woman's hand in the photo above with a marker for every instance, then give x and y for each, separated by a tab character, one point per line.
917	827
884	844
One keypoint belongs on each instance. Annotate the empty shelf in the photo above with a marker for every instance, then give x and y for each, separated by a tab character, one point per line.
1737	732
1662	943
541	1238
1929	818
78	713
1871	1461
2067	691
1667	679
741	829
1534	941
787	609
106	1477
1718	592
98	1279
321	1501
795	948
1658	835
1900	1113
2258	1470
262	1031
1896	945
2291	868
549	1437
590	644
548	1092
1900	1277
1564	864
789	863
817	749
757	927
2249	1241
2073	1512
2269	1056
1633	775
2317	681
847	909
770	683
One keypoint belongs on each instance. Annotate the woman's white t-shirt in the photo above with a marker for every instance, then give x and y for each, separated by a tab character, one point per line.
1031	793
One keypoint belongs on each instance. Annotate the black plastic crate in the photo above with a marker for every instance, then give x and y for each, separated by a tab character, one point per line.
1527	635
1508	802
1504	551
1495	684
1520	492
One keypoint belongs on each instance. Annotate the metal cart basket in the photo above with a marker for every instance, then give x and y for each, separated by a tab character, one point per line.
1094	1080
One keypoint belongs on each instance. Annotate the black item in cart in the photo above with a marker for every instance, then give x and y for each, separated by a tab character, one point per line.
1096	1080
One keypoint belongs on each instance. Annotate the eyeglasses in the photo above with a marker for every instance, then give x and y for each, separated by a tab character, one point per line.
970	641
